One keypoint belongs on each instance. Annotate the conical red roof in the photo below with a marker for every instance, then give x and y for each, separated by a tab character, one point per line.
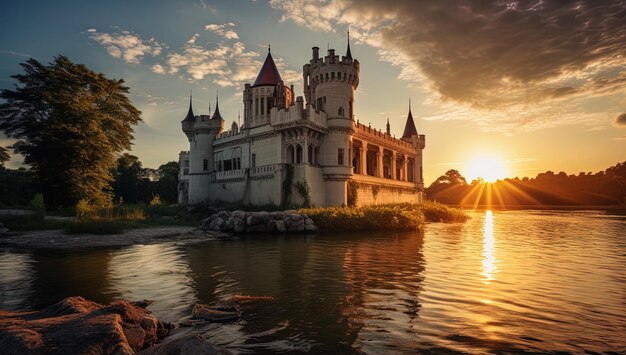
269	74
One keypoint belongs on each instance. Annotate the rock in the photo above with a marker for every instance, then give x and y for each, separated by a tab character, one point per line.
206	313
257	228
280	226
191	344
3	229
254	219
79	326
310	228
308	222
296	226
239	224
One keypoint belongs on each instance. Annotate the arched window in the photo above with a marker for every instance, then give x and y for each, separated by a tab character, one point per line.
340	112
310	154
316	155
298	154
290	154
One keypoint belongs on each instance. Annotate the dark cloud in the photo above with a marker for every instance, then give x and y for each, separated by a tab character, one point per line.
621	120
491	54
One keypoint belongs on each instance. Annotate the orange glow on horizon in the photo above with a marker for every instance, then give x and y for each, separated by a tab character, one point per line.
487	167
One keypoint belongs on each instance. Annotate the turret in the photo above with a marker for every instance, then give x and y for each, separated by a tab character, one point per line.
188	121
330	82
268	91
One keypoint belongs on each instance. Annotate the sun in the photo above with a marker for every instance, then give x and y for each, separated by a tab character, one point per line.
487	167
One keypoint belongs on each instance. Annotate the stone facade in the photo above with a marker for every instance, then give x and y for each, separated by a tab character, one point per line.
313	141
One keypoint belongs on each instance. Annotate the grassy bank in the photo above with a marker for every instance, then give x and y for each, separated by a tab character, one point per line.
383	217
111	220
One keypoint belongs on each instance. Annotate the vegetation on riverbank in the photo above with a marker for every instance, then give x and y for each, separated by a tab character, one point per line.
383	217
96	220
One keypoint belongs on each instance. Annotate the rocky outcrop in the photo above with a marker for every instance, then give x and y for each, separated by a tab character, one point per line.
79	326
3	229
259	222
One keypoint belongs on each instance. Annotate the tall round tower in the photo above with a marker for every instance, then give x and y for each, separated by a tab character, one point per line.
329	86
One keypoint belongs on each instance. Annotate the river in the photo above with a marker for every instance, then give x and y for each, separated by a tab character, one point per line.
505	281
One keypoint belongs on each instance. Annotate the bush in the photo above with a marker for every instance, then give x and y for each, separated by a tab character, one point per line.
382	217
156	200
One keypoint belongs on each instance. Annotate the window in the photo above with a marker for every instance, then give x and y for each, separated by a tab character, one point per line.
310	154
186	163
253	162
256	106
340	112
186	171
298	154
340	156
332	75
205	164
262	106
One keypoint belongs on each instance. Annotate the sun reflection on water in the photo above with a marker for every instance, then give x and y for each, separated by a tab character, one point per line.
489	260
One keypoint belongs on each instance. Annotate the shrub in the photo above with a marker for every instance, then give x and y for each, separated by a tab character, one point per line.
383	217
156	200
305	191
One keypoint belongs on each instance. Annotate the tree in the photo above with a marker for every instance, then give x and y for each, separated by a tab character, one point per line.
132	182
4	156
167	185
70	123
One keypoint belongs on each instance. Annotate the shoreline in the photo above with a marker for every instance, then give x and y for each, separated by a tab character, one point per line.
57	239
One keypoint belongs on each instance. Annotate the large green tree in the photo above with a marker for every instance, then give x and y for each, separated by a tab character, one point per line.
71	122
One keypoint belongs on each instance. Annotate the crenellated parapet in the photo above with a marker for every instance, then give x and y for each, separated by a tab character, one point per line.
330	82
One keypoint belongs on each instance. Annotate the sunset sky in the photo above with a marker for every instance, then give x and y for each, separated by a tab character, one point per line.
539	85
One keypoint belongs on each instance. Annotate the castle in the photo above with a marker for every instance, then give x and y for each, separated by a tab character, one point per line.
294	150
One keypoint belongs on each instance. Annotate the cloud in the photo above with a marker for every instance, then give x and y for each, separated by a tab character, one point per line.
126	45
621	120
158	68
224	30
489	55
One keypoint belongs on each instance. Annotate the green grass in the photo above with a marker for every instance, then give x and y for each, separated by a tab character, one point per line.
383	217
113	220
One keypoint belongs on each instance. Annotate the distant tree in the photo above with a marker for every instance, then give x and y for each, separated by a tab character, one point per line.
132	182
450	183
70	122
167	184
4	156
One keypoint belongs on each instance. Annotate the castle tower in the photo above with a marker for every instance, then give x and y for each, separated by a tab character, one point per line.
329	86
268	91
201	131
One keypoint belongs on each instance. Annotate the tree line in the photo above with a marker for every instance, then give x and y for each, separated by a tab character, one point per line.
73	125
607	187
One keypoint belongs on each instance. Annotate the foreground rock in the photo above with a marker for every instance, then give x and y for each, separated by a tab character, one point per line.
79	326
259	222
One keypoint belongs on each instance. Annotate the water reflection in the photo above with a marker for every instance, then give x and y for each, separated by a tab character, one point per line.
443	290
489	260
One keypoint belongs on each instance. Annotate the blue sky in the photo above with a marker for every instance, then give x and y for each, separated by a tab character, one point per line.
467	105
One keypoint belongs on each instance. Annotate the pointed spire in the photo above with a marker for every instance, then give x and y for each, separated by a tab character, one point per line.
209	108
388	127
216	113
269	74
409	127
348	52
190	116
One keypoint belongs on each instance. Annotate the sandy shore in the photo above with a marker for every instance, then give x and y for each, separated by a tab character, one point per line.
58	239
